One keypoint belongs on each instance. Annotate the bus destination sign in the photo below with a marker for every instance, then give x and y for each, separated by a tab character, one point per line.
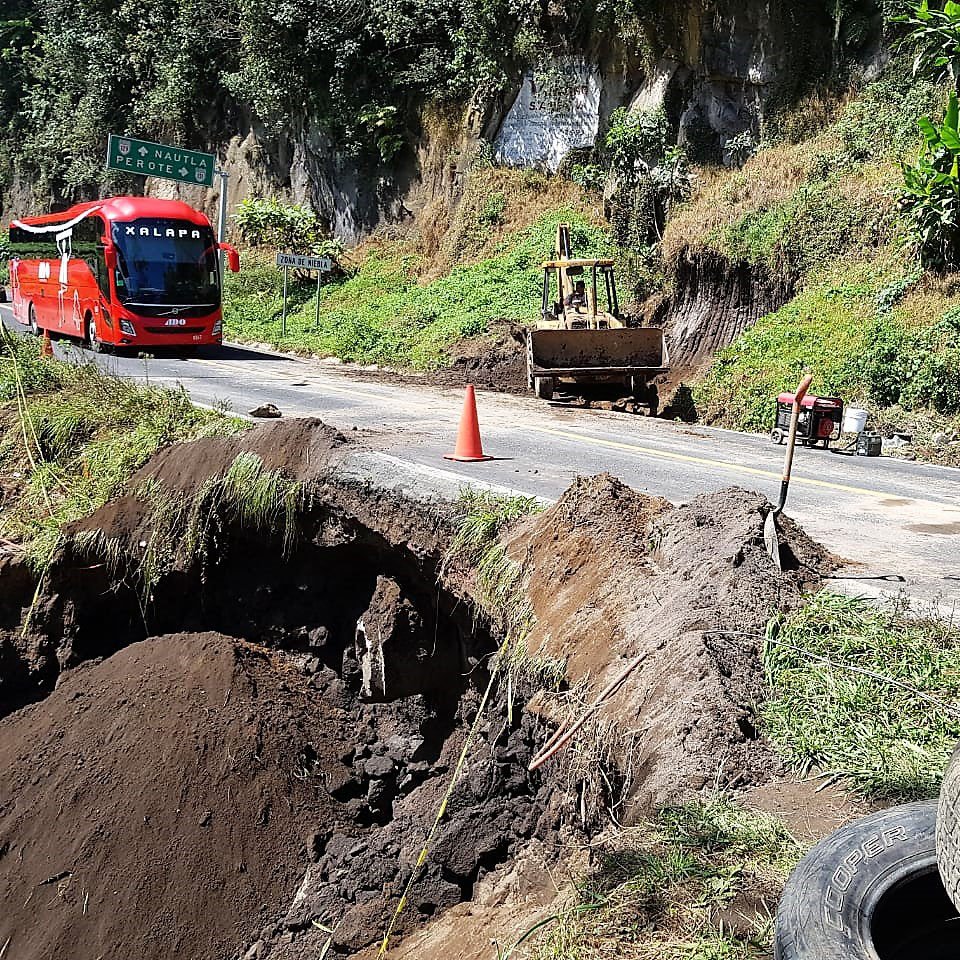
157	160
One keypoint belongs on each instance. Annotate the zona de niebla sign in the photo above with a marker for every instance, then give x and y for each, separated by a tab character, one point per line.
157	160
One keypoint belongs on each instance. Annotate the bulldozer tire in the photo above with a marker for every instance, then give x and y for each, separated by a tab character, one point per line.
653	400
543	387
870	890
948	829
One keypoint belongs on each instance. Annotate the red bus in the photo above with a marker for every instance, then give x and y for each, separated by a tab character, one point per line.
120	272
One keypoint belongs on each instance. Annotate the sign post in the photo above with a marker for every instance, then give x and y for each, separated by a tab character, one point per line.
320	264
222	214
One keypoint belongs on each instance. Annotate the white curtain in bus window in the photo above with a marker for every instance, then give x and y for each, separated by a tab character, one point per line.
64	247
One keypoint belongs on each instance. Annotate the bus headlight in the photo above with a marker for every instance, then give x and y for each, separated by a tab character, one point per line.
127	327
217	328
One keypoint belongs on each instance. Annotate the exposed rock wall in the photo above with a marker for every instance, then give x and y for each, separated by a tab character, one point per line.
711	303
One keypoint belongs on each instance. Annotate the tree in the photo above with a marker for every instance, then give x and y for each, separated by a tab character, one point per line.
932	192
934	36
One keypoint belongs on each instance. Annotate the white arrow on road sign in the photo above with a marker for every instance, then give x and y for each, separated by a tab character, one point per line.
183	171
143	151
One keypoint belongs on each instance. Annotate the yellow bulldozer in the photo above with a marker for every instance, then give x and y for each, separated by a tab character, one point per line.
578	344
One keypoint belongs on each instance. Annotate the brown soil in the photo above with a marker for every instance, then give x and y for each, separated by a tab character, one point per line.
323	740
379	669
810	808
153	805
614	574
494	361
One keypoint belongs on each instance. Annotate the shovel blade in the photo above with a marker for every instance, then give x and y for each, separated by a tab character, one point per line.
771	539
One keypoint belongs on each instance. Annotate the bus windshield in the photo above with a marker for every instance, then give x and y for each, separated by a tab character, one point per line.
166	262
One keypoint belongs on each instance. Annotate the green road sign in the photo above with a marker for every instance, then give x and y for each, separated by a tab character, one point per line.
158	160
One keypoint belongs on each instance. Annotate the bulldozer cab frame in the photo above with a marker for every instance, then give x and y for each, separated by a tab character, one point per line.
561	274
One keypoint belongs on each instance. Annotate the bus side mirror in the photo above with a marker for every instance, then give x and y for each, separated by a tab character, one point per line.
110	257
233	258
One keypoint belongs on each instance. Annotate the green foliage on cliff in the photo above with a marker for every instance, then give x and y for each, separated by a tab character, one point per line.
842	328
383	314
827	212
196	71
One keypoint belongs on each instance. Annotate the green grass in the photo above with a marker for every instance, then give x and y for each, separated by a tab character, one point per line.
499	581
657	888
869	334
477	544
181	529
383	314
885	741
822	210
74	436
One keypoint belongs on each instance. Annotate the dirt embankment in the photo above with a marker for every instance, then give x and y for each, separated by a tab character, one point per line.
614	574
252	755
154	803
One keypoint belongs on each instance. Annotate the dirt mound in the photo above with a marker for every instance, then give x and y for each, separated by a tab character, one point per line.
154	804
211	797
614	574
300	449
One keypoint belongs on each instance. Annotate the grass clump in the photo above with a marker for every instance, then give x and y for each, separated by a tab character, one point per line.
183	528
384	314
660	889
73	435
499	580
477	543
885	740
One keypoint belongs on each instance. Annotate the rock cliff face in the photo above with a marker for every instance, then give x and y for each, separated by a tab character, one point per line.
718	67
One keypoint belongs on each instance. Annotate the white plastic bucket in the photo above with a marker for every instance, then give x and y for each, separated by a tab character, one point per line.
854	420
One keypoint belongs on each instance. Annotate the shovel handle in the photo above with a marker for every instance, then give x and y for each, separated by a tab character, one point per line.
798	396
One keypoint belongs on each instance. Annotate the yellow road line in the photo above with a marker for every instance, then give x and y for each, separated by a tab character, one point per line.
710	462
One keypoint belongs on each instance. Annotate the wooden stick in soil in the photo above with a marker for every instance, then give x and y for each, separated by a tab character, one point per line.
564	735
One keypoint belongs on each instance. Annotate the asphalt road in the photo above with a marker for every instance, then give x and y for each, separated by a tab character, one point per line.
884	516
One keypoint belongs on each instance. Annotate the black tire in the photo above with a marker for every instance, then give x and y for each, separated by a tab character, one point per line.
543	387
777	435
644	392
948	829
870	891
32	321
653	400
93	342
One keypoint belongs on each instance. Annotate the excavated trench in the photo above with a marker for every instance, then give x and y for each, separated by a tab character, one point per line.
377	665
245	755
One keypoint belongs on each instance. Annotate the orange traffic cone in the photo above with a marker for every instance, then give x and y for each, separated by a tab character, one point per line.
469	448
46	347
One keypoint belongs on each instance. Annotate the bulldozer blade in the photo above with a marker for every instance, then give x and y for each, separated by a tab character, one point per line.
582	352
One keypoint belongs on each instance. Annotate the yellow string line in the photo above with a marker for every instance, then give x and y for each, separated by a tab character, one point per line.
458	770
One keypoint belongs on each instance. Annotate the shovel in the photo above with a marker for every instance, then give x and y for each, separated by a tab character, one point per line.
770	537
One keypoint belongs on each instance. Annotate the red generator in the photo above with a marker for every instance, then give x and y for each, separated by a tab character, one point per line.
820	419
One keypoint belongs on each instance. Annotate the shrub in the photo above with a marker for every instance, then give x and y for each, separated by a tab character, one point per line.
269	222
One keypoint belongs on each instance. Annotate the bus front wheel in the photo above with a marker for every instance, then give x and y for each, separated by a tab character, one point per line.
32	321
94	343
